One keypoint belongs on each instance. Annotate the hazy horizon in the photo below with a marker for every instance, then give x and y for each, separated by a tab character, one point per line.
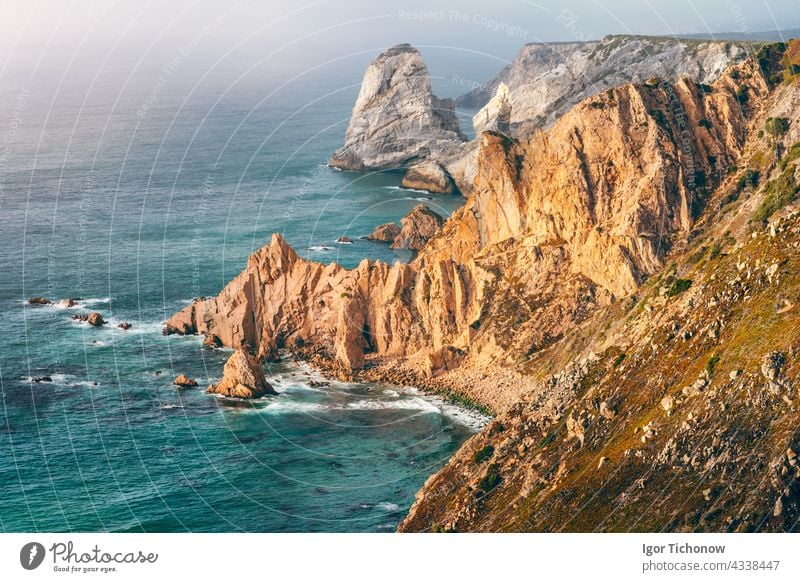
287	38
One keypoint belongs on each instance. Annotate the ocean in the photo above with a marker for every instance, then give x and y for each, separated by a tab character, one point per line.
136	193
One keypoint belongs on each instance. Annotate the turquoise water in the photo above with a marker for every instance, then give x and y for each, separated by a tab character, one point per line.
136	196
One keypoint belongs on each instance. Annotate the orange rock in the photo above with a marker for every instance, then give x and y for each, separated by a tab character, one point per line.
242	378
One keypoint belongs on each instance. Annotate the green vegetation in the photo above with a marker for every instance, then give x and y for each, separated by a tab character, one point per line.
705	123
679	286
743	94
791	62
778	193
770	58
716	250
791	155
491	480
465	402
777	126
749	179
619	359
712	364
484	454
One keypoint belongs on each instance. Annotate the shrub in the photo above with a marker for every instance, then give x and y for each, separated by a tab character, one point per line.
484	454
777	126
491	480
712	364
619	359
750	179
791	155
716	250
779	192
743	94
704	123
678	287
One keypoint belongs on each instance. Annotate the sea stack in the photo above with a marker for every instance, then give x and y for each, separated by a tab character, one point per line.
242	378
397	120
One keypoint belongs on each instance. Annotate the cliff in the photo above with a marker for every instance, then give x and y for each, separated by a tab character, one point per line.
544	299
677	408
547	79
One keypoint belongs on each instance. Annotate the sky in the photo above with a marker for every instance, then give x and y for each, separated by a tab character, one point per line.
286	36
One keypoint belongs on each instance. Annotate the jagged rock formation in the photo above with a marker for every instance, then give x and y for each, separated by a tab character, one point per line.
586	211
242	378
546	79
575	260
419	226
397	119
496	114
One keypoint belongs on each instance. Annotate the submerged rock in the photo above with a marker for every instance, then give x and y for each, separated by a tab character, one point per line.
39	301
125	325
242	378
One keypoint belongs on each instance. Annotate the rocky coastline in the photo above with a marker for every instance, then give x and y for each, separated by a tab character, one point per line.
631	222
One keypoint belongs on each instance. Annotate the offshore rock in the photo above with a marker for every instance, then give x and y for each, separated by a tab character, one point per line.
429	176
397	119
242	378
384	233
419	226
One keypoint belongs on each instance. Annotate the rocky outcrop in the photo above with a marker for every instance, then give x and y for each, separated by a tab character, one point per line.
547	79
419	226
39	301
182	381
496	114
94	319
429	176
397	120
384	233
242	378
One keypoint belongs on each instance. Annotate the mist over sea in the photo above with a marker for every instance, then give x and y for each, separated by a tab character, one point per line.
137	192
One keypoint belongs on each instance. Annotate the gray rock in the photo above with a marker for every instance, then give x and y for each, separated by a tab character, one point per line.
397	120
495	115
547	79
772	365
